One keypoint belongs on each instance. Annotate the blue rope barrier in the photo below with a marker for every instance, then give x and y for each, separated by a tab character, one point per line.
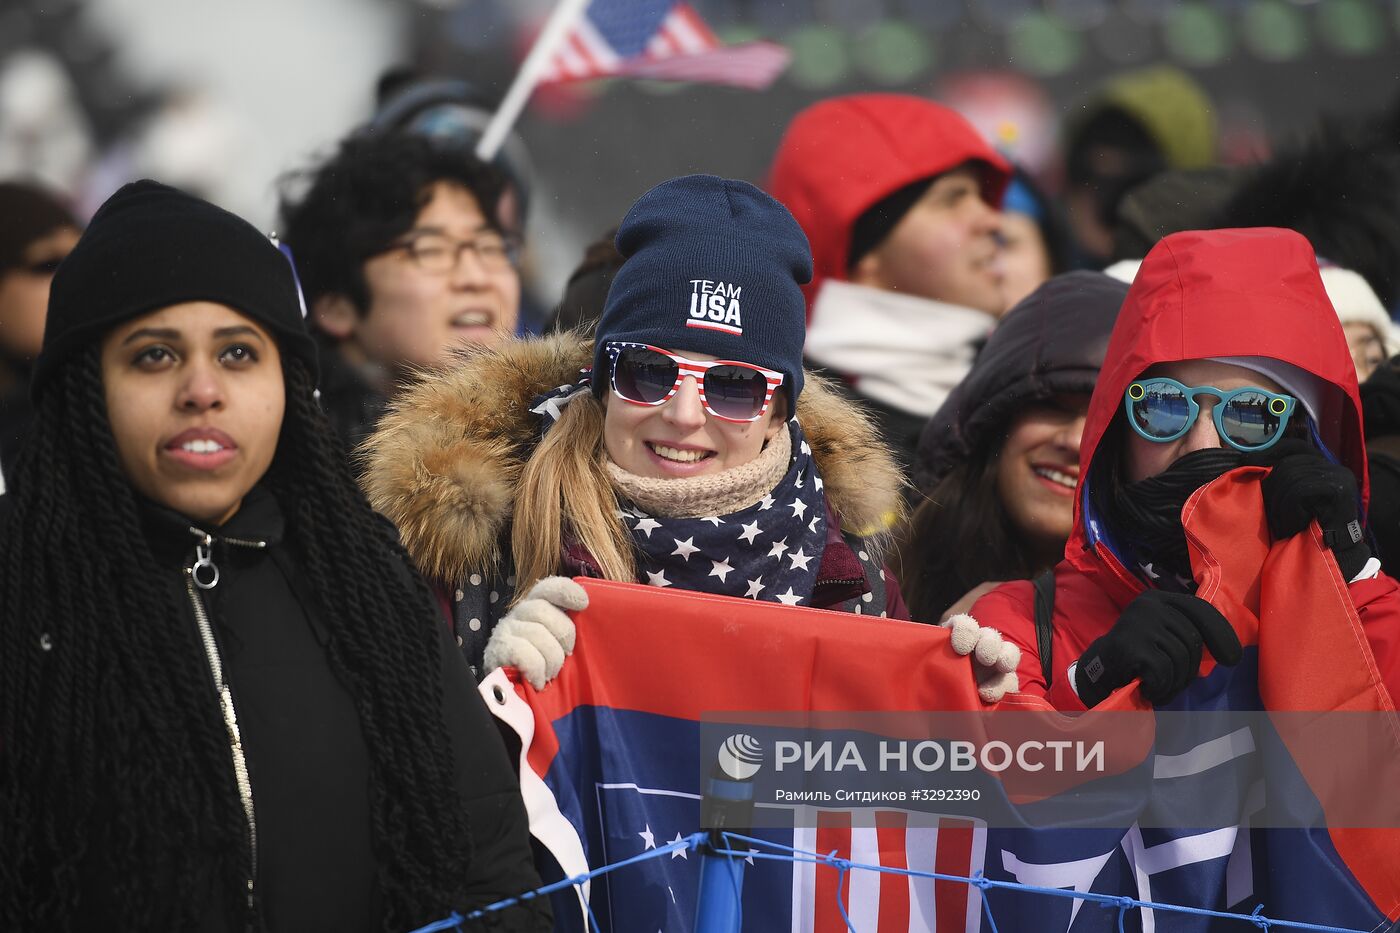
991	920
984	883
455	920
843	866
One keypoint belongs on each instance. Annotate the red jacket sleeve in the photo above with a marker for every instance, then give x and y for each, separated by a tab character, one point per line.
1377	602
1010	609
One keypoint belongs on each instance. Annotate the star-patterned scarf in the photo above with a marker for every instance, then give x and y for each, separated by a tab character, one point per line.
770	550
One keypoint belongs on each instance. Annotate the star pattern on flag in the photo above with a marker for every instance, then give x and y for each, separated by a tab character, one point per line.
649	840
769	551
679	852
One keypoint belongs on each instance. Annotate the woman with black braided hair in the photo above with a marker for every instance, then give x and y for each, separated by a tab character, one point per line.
226	702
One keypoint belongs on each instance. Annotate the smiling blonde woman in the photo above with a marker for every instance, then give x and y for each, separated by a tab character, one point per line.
693	452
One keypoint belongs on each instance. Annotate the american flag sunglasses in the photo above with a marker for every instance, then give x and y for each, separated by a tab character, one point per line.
729	390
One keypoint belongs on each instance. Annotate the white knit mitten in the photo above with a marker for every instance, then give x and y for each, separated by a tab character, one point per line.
994	659
537	634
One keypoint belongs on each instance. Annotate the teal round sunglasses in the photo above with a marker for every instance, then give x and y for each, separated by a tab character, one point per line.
1249	418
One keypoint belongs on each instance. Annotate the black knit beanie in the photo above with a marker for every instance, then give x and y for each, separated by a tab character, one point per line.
712	266
151	246
879	219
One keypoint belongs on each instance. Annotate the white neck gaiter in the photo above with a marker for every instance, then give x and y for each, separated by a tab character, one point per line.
900	350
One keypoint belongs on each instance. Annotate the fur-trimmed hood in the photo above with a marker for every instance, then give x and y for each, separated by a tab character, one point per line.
445	460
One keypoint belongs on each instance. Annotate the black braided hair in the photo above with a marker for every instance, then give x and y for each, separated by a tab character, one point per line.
384	646
101	686
114	763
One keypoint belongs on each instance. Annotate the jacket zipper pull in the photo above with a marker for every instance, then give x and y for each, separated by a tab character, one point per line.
204	571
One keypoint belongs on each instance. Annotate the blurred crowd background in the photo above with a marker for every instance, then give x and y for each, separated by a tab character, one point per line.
225	99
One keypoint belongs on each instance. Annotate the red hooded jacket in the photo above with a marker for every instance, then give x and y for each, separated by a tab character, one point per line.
840	157
1198	295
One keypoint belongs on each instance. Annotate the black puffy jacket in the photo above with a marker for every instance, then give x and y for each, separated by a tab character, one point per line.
307	758
1380	412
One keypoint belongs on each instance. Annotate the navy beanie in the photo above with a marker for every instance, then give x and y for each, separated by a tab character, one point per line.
151	246
712	266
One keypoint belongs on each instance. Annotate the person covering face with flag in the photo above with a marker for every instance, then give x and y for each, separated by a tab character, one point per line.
1226	354
692	452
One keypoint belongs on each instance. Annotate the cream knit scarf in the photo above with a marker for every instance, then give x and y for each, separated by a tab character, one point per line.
712	494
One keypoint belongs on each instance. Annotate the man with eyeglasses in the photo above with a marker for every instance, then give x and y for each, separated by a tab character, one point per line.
36	233
403	260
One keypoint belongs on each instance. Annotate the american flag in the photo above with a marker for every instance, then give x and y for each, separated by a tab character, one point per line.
613	758
662	40
888	902
792	897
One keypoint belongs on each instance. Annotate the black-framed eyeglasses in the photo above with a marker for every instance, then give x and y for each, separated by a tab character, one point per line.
441	254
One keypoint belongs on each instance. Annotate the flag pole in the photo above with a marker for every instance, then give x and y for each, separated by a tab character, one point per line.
555	29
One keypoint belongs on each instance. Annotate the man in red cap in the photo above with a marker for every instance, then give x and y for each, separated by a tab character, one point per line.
899	198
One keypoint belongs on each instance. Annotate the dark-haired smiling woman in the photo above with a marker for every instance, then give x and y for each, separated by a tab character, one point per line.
226	702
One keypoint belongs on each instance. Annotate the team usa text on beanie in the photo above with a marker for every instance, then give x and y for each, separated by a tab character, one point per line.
151	246
712	266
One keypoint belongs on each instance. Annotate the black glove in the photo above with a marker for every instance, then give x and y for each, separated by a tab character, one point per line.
1157	638
1304	485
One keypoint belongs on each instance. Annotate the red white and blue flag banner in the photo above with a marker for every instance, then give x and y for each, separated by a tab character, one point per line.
662	40
613	760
